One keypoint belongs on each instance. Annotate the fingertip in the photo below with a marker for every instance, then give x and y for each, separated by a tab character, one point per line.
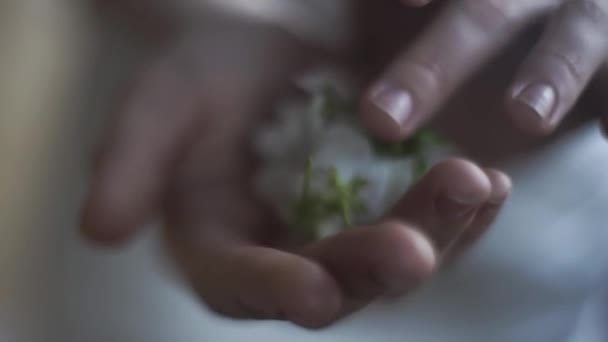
461	180
501	186
308	296
120	200
109	217
485	216
412	256
97	228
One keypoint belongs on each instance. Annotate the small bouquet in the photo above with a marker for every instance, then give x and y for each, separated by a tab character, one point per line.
322	172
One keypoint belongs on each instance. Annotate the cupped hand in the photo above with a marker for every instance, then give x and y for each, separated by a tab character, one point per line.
180	149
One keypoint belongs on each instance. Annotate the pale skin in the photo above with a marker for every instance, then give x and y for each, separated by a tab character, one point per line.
179	150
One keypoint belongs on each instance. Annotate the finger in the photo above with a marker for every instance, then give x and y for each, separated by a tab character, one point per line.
285	286
372	261
245	281
464	36
445	202
561	66
485	216
333	278
155	124
215	232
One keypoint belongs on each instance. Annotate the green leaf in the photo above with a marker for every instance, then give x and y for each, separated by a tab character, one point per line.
333	104
418	142
414	147
341	199
348	195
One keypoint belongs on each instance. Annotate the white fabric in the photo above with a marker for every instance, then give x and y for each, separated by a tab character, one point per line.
319	21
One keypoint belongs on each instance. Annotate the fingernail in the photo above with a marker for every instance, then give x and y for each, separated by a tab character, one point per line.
396	103
540	98
456	207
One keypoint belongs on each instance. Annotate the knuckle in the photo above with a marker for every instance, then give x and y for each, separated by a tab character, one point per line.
428	73
572	63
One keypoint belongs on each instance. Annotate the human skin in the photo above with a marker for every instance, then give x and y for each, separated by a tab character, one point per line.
559	48
189	133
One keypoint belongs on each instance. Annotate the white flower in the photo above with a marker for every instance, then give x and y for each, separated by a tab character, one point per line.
302	131
290	135
341	140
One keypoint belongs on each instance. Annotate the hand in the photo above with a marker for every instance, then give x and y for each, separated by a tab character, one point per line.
180	150
466	35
